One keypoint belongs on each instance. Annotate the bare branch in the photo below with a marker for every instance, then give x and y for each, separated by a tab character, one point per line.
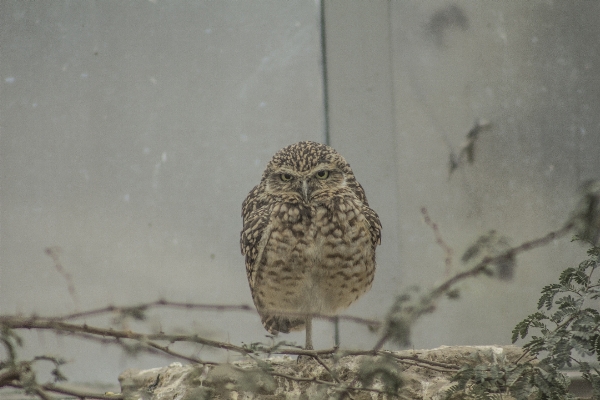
166	350
449	252
155	304
58	326
331	373
210	307
81	393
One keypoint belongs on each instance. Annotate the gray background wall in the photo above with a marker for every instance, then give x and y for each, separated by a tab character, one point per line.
130	133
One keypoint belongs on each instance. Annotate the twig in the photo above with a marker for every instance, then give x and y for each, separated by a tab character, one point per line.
54	254
154	304
165	349
8	376
448	251
41	394
212	307
430	367
320	361
125	346
82	394
510	253
147	346
302	352
58	326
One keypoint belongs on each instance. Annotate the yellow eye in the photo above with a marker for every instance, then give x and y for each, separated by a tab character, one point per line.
322	174
286	177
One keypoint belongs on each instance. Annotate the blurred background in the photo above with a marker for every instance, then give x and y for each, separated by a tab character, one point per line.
131	132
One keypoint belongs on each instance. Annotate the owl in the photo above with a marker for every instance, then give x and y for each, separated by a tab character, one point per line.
309	238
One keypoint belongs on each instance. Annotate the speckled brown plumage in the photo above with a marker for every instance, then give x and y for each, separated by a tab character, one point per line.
309	237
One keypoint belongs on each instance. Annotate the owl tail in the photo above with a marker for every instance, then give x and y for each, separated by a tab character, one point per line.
279	323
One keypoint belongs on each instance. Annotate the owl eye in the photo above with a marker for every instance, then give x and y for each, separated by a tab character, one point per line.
286	177
322	174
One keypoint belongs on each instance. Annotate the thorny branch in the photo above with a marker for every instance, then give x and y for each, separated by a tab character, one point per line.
59	326
428	300
140	308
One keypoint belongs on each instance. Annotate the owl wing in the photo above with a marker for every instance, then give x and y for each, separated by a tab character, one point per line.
368	212
374	225
255	214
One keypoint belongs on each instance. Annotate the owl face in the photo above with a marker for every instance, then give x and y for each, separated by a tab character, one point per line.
305	185
304	170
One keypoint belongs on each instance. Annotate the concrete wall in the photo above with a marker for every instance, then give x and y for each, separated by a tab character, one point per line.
132	131
407	81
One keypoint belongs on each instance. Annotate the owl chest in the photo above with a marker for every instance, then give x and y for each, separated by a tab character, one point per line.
316	259
311	239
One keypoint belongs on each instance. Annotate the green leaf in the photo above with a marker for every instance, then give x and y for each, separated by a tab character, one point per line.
567	275
596	345
522	328
548	293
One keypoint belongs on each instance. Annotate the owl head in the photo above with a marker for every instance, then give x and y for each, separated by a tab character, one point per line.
306	170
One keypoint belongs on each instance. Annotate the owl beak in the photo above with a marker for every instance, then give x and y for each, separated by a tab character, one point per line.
305	193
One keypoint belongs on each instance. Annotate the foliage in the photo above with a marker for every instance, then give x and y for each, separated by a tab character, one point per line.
564	332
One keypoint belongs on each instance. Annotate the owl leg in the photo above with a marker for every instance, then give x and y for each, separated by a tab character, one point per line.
308	345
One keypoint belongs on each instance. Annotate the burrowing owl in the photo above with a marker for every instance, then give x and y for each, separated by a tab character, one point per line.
309	238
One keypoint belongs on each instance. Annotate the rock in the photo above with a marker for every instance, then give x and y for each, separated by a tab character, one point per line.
425	374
